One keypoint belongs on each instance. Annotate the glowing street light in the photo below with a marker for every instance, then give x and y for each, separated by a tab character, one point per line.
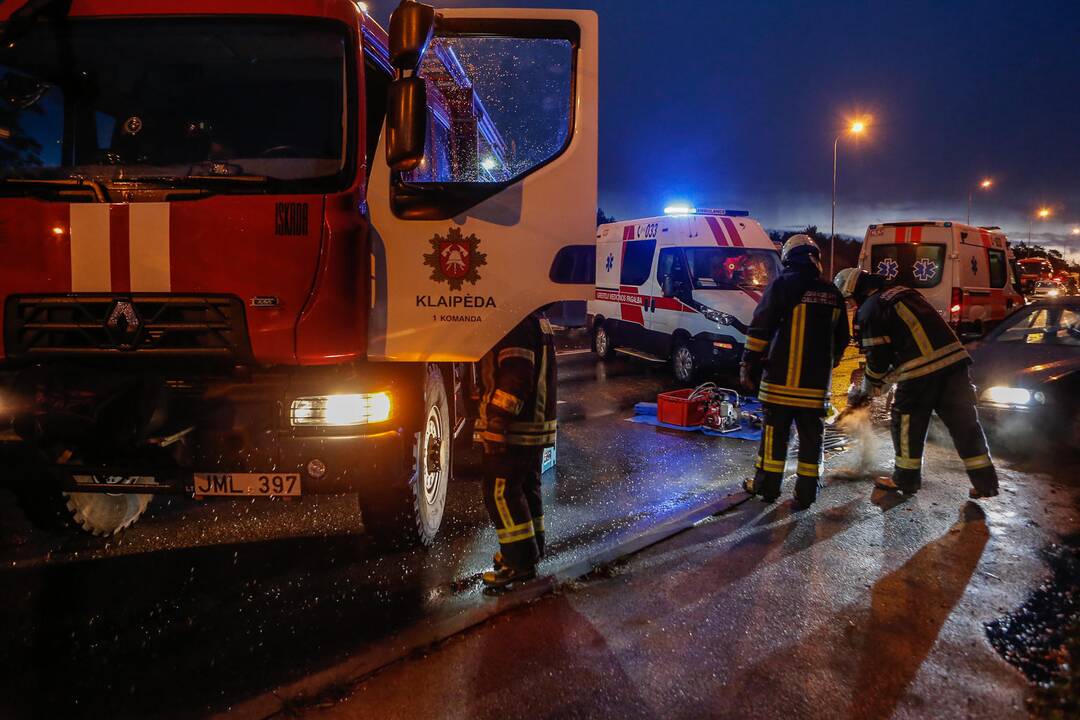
986	184
1042	213
856	128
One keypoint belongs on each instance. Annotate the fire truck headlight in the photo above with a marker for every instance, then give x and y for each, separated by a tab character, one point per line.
341	410
1018	397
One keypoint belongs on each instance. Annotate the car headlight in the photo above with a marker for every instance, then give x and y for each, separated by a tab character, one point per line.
340	410
1019	397
718	316
1053	293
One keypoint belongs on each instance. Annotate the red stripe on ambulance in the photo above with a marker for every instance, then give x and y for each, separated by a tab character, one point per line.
733	232
718	234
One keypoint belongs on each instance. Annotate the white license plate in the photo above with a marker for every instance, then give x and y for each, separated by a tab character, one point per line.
247	484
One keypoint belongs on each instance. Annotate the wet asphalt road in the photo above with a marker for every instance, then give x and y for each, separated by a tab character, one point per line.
865	607
202	605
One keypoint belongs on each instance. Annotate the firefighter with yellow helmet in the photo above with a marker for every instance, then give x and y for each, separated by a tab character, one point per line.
796	338
906	340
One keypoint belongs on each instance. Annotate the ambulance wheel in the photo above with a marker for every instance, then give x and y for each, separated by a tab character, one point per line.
602	344
683	363
409	514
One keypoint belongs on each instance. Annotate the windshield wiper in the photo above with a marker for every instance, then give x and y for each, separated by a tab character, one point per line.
187	181
95	186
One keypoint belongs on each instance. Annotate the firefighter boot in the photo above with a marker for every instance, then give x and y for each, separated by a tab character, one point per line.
984	483
899	482
805	491
764	485
504	578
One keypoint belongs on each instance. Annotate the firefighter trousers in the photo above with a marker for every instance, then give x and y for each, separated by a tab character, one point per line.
512	495
772	455
951	395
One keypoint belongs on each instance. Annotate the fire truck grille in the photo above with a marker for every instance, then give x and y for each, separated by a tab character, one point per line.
145	325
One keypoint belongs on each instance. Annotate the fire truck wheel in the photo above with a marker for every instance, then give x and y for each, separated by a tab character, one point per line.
410	514
602	344
50	508
104	515
683	363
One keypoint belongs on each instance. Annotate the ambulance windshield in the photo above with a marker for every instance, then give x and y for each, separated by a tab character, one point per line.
728	267
120	99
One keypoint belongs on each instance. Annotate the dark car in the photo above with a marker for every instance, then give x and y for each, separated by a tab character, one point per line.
1027	373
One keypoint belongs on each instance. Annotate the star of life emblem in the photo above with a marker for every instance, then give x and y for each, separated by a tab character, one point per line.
925	269
888	269
455	258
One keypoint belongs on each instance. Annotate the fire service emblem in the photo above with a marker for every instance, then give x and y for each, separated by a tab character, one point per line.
455	258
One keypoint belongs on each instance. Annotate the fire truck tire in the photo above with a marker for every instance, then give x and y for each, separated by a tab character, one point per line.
684	364
602	344
49	508
104	515
409	514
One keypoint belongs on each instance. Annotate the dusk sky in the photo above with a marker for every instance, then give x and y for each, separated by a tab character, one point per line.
736	105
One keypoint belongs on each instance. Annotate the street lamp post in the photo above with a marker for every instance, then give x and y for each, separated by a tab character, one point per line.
986	184
858	127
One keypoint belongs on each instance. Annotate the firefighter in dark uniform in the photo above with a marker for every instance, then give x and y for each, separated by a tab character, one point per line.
517	402
906	341
795	340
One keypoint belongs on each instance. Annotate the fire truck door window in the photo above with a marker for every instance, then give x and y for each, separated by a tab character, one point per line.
499	107
999	273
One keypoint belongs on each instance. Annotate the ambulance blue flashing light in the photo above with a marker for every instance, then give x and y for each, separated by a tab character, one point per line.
679	210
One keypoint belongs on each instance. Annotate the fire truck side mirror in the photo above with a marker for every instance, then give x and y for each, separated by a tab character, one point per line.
406	123
412	26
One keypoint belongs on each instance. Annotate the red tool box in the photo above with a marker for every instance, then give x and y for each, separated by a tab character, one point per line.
679	407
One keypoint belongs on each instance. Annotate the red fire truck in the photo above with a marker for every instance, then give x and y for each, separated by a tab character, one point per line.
1032	270
250	248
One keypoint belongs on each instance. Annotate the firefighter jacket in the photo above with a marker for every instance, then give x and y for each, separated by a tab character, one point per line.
904	337
517	387
801	329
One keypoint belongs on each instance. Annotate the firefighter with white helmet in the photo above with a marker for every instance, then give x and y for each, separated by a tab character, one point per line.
906	339
795	340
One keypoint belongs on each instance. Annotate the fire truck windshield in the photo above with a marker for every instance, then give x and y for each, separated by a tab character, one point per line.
256	99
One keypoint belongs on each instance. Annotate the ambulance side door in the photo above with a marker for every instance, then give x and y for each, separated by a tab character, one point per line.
672	282
973	271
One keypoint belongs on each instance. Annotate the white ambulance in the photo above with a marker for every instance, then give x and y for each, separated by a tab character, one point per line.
964	271
681	288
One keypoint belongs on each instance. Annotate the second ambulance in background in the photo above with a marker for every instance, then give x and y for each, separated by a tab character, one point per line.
964	271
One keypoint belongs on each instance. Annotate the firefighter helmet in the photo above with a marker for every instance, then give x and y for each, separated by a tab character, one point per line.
857	284
801	250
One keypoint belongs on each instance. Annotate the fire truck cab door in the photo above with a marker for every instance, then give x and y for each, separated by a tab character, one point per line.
499	219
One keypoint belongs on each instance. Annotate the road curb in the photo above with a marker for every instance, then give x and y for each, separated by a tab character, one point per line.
443	626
